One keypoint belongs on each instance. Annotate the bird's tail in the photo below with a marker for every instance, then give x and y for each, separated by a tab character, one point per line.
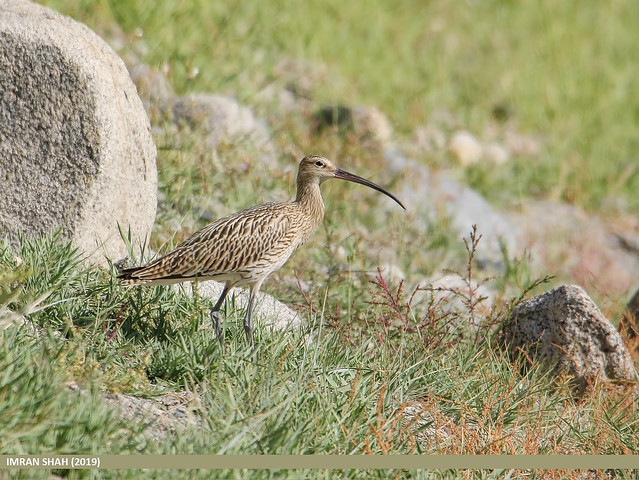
130	276
161	271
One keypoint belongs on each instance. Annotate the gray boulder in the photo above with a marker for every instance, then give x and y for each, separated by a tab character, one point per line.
76	152
564	329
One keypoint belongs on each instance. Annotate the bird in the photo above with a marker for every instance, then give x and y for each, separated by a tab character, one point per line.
244	248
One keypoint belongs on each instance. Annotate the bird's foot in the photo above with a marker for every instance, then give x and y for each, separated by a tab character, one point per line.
215	319
248	329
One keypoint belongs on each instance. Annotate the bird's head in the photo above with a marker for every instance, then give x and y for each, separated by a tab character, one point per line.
314	168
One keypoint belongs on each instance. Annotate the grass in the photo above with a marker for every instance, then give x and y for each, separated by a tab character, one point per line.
379	367
384	377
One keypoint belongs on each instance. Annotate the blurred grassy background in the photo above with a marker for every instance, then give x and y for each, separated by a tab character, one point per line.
564	71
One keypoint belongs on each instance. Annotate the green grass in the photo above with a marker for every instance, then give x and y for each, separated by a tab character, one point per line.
343	384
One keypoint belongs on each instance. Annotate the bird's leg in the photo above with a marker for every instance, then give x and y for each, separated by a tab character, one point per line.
215	313
248	329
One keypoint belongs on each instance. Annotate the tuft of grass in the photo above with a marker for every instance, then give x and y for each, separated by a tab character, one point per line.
39	356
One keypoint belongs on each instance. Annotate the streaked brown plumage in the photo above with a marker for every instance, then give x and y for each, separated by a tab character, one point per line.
246	247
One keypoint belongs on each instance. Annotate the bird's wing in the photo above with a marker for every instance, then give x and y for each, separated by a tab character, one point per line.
230	244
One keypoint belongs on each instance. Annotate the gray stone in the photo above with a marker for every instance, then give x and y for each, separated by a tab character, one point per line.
222	118
465	147
162	416
564	330
369	124
76	152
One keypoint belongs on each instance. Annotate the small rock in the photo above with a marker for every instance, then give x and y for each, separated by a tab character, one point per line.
368	123
340	254
420	419
456	291
372	124
159	417
72	386
223	119
564	330
466	148
573	243
9	318
301	77
277	99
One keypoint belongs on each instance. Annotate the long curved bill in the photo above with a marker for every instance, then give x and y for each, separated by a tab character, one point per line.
344	175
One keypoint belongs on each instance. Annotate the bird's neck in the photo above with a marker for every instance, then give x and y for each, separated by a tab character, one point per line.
310	200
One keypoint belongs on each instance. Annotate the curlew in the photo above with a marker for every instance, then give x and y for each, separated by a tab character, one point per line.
244	248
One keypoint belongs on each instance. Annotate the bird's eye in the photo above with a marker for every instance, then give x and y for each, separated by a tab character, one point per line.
319	163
